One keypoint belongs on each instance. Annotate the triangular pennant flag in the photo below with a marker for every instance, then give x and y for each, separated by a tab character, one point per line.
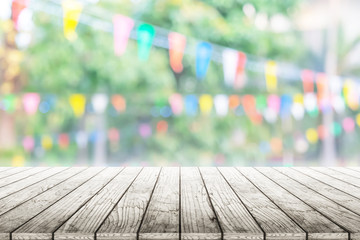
16	8
323	92
99	102
205	103
122	29
31	102
145	34
71	11
310	104
203	55
234	101
261	103
176	103
297	109
177	43
285	106
118	102
240	79
274	103
307	77
270	75
191	105
350	91
77	102
249	103
230	62
221	102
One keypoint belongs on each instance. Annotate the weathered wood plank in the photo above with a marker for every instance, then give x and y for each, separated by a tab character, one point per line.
13	170
198	220
3	169
326	179
275	223
347	171
14	218
124	220
235	220
338	214
340	197
42	226
26	182
25	194
20	175
161	220
338	175
88	219
315	224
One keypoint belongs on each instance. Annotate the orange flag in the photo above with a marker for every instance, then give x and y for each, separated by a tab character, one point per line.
177	43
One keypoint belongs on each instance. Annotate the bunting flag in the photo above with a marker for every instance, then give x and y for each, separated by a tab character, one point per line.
122	29
191	105
285	105
28	143
205	103
162	126
118	102
270	75
274	103
71	11
351	94
99	102
77	102
310	104
46	142
9	103
297	108
240	79
145	34
234	101
230	62
177	44
63	140
249	103
203	56
176	103
261	103
307	77
16	8
323	92
221	102
31	102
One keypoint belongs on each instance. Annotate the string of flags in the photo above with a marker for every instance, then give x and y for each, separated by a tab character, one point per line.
234	62
270	106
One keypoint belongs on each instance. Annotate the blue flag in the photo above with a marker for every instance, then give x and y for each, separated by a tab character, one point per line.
203	55
191	105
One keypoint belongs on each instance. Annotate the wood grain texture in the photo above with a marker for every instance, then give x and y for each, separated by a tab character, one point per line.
16	217
26	182
235	220
161	220
14	199
88	219
124	220
315	224
326	179
339	197
340	215
47	222
12	171
338	175
198	220
347	171
28	173
275	223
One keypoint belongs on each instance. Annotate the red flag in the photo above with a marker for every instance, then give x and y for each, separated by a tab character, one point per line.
177	43
240	79
307	76
16	8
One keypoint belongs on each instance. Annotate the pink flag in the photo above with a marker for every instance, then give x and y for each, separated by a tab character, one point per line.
122	29
31	102
176	103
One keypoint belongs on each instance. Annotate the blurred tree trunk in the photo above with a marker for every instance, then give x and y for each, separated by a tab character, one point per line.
328	147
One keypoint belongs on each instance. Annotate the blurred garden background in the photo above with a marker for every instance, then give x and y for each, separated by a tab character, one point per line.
179	82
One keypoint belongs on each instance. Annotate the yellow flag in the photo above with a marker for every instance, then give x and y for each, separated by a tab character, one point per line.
298	98
77	102
350	94
71	10
270	76
205	103
46	142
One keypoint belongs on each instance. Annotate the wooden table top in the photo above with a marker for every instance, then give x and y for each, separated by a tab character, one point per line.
179	203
